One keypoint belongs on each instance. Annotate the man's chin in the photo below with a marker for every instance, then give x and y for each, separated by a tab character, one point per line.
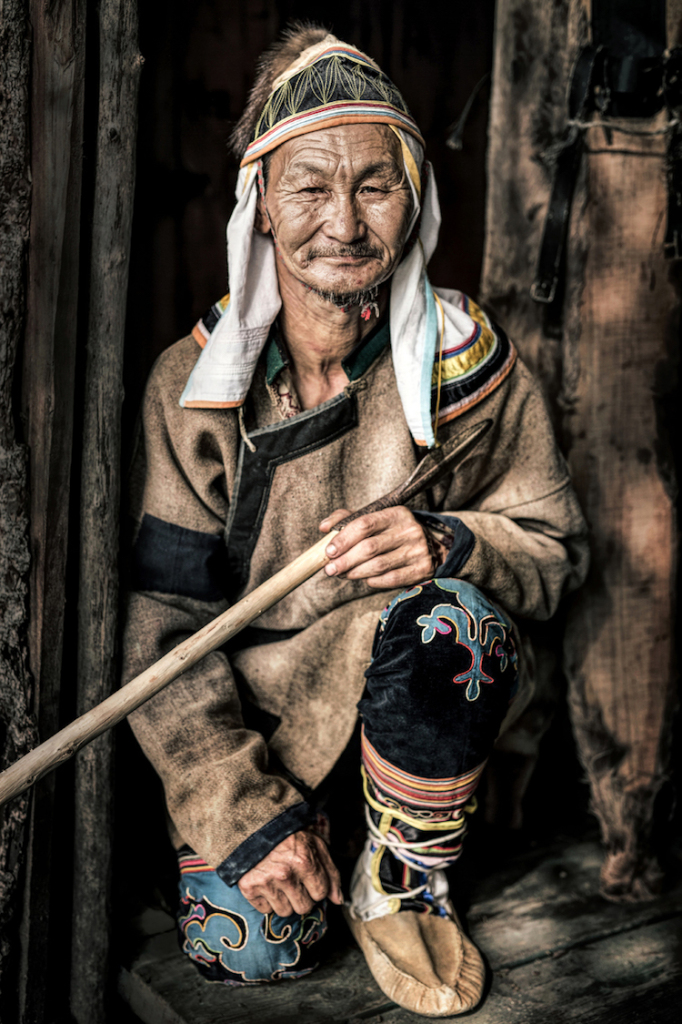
347	294
347	300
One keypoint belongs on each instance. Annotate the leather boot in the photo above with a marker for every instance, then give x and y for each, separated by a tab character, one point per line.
400	912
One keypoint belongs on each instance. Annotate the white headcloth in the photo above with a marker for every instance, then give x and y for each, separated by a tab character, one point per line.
421	319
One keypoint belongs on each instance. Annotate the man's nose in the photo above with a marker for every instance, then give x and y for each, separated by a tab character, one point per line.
344	222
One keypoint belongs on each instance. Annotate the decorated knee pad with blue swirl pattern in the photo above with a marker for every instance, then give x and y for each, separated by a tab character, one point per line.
230	942
443	673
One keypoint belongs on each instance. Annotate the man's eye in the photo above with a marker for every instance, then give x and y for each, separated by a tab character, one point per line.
313	190
370	190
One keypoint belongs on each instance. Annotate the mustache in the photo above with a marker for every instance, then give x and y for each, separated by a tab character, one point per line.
353	249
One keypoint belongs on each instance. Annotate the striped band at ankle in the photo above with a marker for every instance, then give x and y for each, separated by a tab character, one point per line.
440	794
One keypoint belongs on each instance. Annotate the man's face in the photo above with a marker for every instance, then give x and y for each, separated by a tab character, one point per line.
339	204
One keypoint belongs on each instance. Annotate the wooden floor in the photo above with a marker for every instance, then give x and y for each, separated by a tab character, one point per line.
557	952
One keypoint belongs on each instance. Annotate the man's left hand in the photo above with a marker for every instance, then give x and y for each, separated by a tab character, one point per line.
387	549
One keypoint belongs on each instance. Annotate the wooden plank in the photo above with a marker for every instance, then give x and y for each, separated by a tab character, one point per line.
16	727
533	929
631	978
555	906
49	362
162	987
51	325
119	71
623	408
527	116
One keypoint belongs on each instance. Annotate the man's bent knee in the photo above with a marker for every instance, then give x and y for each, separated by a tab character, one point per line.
443	672
460	593
229	941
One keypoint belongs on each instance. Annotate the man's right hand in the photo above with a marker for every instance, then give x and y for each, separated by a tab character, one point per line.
298	873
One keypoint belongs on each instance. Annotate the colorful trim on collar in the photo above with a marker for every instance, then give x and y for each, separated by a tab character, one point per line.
203	329
468	373
473	369
340	86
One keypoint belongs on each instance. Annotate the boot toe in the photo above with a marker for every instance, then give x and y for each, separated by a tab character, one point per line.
422	962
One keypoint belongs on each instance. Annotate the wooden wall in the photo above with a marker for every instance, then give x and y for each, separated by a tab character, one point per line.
69	109
606	352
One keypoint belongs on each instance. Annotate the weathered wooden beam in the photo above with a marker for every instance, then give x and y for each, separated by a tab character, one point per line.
119	71
49	368
527	116
16	726
605	353
619	643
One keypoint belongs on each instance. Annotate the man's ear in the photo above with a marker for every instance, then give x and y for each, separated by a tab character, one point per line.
261	223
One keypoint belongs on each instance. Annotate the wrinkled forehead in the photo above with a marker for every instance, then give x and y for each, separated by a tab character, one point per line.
349	151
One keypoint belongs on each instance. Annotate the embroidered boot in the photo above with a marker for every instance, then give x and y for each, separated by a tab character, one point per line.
400	912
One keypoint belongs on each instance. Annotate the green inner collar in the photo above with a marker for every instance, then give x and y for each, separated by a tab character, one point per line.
355	364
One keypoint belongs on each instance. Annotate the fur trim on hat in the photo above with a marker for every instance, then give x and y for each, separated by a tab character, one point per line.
296	38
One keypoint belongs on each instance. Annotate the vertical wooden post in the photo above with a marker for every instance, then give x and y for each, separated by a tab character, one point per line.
119	70
605	353
527	116
16	726
49	361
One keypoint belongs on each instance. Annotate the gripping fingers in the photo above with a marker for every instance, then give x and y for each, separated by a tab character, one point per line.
372	550
260	904
332	872
377	543
293	877
280	903
335	517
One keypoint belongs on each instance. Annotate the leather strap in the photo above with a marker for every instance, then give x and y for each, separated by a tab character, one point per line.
568	161
625	60
672	90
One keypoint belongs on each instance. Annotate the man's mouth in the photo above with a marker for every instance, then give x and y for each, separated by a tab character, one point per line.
344	254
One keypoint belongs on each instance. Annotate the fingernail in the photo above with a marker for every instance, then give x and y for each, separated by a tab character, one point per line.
330	569
331	550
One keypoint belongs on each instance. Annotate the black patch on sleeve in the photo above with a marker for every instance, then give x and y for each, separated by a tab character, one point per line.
462	544
252	850
171	559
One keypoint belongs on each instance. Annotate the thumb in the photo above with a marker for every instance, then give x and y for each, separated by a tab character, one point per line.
332	519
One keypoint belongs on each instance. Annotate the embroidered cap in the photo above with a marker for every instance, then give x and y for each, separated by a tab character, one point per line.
330	84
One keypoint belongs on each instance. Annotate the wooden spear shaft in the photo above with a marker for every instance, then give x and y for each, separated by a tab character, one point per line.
68	741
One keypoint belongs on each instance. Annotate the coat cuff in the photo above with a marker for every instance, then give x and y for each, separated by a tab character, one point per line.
463	540
252	850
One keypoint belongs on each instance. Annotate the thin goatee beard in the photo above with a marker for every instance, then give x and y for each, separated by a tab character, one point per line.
348	300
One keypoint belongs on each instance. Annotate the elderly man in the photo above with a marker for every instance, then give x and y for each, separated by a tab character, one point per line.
312	389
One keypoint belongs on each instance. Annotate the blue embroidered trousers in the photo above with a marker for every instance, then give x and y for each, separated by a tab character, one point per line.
442	675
